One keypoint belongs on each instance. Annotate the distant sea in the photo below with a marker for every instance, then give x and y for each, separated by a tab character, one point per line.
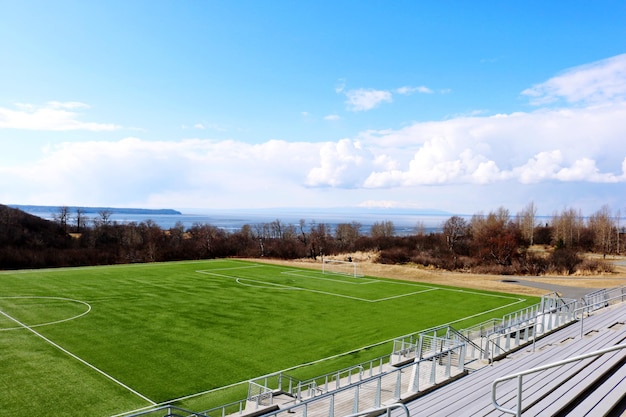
405	221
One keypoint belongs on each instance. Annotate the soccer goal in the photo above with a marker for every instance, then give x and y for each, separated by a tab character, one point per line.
333	266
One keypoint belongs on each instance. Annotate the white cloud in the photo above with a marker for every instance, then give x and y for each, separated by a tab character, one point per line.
597	82
465	158
332	117
133	170
199	126
366	99
54	116
542	166
406	90
582	146
68	105
574	145
340	86
341	164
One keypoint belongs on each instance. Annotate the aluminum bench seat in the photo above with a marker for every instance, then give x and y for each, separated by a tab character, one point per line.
471	395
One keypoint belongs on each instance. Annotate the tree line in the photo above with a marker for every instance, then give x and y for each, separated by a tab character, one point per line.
496	242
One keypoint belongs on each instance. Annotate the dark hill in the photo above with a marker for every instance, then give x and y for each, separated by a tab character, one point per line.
27	240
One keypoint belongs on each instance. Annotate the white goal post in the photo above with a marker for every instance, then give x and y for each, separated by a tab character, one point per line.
334	266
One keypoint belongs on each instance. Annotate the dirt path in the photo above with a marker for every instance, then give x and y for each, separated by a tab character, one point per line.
567	286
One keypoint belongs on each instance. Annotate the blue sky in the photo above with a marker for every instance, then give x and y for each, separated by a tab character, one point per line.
457	106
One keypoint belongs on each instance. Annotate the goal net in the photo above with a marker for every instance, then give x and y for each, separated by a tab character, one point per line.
333	266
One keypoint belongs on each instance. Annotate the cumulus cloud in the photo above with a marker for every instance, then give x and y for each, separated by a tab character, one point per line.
54	116
575	146
366	99
469	155
332	117
597	82
341	164
563	145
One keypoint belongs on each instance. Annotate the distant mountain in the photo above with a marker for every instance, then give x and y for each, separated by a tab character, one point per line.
94	210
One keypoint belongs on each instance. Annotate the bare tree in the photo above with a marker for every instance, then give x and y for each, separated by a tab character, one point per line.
420	228
304	238
80	219
62	216
495	237
527	222
276	229
567	227
601	225
346	234
383	229
455	229
319	241
206	238
617	229
104	218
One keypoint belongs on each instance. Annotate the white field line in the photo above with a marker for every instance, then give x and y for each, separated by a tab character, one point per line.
297	273
84	362
265	285
51	322
270	285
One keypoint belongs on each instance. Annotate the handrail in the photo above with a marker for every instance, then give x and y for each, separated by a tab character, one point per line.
519	375
171	410
386	408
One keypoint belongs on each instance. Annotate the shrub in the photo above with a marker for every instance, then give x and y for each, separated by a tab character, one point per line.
532	264
395	255
595	266
565	260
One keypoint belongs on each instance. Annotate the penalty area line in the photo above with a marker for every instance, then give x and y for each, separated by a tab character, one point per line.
84	362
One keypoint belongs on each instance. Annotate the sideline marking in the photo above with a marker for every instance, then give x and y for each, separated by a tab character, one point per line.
273	285
298	273
84	362
48	298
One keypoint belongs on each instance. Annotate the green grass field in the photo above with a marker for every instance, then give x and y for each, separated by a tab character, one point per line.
104	340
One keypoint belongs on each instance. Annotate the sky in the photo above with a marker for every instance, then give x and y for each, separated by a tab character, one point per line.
458	106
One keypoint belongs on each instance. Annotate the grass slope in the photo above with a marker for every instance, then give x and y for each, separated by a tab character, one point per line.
173	329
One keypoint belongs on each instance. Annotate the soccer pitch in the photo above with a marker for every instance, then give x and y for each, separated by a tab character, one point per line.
104	340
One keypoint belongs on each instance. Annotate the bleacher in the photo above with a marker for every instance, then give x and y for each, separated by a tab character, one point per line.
594	386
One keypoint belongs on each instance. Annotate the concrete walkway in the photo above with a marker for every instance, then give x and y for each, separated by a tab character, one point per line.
575	293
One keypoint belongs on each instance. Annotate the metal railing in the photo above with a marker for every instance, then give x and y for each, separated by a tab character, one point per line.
519	375
385	388
169	410
386	409
428	342
496	338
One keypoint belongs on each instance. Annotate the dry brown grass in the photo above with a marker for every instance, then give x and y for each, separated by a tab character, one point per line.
466	280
